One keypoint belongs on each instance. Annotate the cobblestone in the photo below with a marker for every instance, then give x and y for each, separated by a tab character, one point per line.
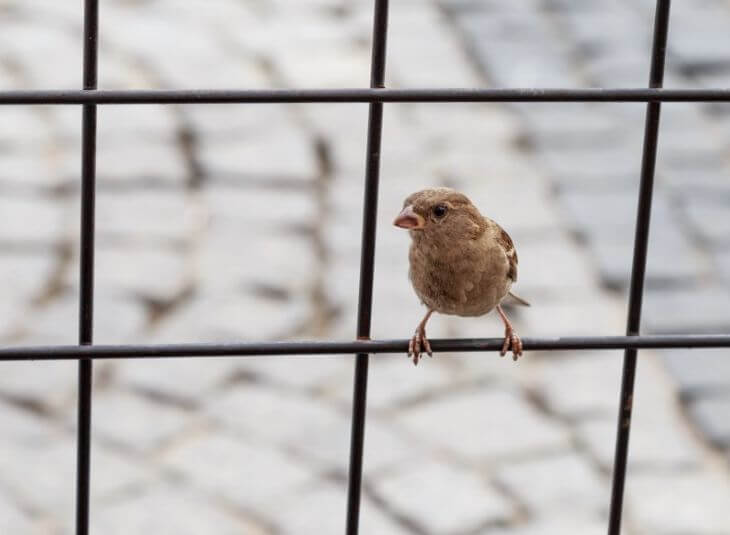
320	508
699	371
518	429
709	414
579	490
158	509
117	421
30	221
443	507
668	502
48	488
185	380
592	378
709	220
700	310
242	222
252	475
11	519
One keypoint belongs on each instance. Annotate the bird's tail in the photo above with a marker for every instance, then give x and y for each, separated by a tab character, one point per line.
519	299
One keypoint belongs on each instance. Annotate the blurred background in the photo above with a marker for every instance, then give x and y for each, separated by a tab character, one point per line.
242	222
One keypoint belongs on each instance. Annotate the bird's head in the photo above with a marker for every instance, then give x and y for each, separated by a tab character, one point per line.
442	213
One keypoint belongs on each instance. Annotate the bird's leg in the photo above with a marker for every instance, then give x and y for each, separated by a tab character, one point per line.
419	341
512	342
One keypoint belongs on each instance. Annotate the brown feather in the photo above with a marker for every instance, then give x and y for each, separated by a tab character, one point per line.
460	263
509	249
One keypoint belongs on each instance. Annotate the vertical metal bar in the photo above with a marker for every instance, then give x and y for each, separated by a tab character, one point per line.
638	270
86	294
367	266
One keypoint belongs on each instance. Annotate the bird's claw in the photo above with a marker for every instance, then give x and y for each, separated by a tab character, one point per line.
419	344
512	342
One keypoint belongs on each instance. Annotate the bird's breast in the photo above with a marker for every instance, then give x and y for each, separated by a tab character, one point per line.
466	280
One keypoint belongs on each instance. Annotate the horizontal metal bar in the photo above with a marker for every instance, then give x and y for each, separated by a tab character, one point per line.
376	346
222	96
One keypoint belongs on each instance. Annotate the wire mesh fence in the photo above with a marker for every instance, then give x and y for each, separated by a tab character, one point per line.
376	96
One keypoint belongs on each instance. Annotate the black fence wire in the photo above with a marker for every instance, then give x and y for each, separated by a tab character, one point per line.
89	97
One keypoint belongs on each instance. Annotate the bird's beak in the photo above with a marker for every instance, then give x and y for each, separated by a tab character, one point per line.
409	219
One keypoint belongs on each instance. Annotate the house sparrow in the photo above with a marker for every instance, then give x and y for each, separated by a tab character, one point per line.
461	262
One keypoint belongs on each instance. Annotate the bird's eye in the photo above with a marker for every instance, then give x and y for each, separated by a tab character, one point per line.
439	210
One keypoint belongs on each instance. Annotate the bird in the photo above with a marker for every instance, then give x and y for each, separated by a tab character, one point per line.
461	263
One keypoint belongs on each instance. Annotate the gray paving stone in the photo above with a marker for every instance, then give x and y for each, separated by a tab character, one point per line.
135	422
699	371
694	180
722	263
160	217
25	275
21	427
237	471
259	261
484	425
553	265
569	523
30	220
279	417
673	259
306	425
599	165
27	170
320	373
50	385
151	161
507	49
216	123
321	508
701	310
151	273
668	502
687	139
595	29
653	443
578	491
146	129
12	520
235	317
579	385
588	314
619	68
244	208
281	152
709	219
571	125
394	381
185	379
424	51
115	321
612	214
49	486
431	495
51	56
24	126
704	49
710	414
170	511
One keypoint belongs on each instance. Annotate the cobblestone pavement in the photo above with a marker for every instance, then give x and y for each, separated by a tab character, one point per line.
222	223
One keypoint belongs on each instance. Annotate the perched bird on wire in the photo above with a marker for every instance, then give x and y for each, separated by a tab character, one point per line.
461	262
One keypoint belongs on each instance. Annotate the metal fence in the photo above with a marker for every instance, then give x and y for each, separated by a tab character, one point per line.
89	97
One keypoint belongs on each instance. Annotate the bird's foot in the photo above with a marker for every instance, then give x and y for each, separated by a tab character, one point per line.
512	343
419	344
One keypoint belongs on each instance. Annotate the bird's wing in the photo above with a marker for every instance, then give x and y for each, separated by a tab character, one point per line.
505	242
